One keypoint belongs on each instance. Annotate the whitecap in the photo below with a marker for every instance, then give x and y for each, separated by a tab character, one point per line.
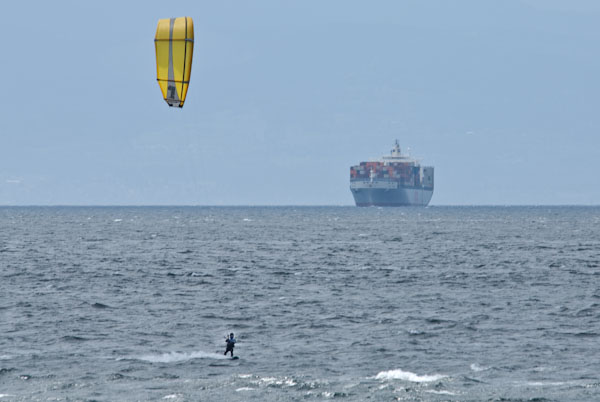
6	395
433	391
266	380
477	367
172	357
173	396
247	220
117	220
245	389
545	384
407	376
285	381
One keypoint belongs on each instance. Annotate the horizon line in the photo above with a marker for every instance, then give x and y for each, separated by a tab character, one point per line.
278	205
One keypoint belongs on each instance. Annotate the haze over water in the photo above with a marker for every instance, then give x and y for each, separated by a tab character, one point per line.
440	303
501	97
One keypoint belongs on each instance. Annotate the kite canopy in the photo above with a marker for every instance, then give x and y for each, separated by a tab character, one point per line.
174	43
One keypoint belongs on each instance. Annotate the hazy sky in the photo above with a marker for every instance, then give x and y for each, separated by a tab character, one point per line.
502	97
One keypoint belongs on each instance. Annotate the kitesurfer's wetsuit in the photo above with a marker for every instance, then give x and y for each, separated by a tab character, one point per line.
230	344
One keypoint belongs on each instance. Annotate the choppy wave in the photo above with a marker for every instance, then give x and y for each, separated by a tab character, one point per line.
407	376
324	306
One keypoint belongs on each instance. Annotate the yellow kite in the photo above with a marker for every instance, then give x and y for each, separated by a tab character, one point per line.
174	43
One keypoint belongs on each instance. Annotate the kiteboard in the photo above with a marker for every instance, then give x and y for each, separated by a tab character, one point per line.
235	357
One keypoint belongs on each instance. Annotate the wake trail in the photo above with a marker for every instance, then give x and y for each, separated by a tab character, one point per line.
174	357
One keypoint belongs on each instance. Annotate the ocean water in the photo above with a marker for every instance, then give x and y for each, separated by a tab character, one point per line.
344	303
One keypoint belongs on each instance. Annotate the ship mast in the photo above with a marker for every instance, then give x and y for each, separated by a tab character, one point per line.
396	152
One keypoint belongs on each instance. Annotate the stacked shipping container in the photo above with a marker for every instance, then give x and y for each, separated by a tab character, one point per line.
406	173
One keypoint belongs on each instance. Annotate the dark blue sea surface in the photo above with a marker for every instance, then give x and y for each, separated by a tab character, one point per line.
439	303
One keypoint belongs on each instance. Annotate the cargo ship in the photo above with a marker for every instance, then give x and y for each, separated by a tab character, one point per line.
393	181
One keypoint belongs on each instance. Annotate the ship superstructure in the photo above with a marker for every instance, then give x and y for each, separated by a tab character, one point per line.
394	180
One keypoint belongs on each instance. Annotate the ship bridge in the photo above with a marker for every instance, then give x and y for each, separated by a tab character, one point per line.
397	157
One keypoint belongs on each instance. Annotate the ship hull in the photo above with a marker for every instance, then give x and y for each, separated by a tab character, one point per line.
391	197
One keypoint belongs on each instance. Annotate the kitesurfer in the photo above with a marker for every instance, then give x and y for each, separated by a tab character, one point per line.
230	344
